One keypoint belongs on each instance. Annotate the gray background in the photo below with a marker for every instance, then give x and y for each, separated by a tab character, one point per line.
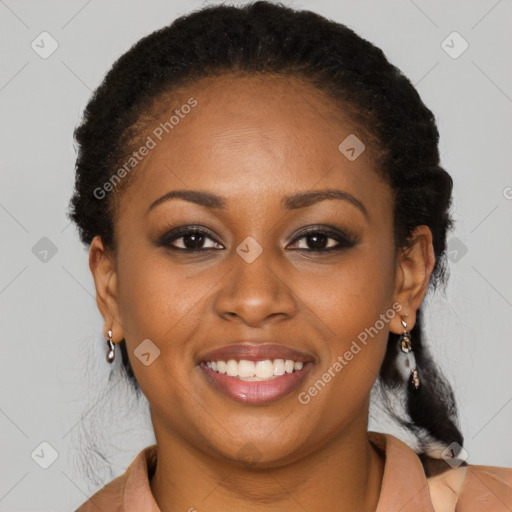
53	374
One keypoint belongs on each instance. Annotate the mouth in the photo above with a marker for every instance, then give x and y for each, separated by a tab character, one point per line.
255	374
255	371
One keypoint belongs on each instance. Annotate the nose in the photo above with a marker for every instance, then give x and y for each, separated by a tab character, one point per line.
255	293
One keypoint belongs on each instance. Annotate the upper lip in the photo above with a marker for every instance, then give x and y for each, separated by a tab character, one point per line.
253	351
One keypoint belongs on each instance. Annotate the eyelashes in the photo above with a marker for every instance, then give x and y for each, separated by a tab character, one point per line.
193	235
320	234
193	238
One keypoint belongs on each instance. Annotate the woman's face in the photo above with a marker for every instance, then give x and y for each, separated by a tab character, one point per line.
262	146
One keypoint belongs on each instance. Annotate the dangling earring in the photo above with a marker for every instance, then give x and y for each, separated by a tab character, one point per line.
111	353
406	362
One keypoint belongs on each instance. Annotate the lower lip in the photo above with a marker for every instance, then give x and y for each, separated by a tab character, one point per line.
256	392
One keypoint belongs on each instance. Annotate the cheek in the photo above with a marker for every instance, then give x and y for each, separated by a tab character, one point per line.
141	305
354	303
158	304
144	297
355	291
161	301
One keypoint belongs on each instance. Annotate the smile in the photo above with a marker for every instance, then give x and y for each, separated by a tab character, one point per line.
255	370
255	382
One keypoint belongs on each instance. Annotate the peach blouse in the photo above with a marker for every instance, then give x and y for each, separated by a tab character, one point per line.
408	484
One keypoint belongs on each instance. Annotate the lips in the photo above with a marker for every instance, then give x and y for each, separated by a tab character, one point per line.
252	351
255	392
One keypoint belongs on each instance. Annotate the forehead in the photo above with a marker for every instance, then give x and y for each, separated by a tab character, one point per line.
237	134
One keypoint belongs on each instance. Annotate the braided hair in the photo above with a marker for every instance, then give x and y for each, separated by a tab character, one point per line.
270	38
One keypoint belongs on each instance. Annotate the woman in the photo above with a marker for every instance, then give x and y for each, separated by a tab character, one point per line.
265	208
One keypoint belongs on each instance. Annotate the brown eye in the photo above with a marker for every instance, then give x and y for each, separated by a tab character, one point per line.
192	239
319	240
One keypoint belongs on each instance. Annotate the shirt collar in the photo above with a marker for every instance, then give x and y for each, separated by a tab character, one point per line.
404	485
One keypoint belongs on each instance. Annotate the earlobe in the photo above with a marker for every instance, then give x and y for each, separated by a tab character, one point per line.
102	266
414	268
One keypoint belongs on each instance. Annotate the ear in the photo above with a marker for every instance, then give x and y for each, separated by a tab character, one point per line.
103	269
414	268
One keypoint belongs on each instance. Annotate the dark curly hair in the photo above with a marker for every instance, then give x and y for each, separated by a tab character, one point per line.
265	38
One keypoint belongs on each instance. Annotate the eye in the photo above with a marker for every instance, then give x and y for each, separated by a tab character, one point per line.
191	239
317	240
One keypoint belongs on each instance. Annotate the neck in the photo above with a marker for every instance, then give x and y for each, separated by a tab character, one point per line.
344	475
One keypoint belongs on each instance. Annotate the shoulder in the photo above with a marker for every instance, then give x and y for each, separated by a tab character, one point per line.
130	491
486	487
470	488
438	487
109	497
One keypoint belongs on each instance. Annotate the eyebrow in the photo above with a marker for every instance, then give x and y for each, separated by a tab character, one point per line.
290	202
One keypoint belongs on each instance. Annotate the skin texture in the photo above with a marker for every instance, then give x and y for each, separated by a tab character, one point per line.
255	141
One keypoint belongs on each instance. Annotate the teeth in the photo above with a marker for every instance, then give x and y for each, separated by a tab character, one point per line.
278	367
232	368
264	369
259	370
246	368
289	366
